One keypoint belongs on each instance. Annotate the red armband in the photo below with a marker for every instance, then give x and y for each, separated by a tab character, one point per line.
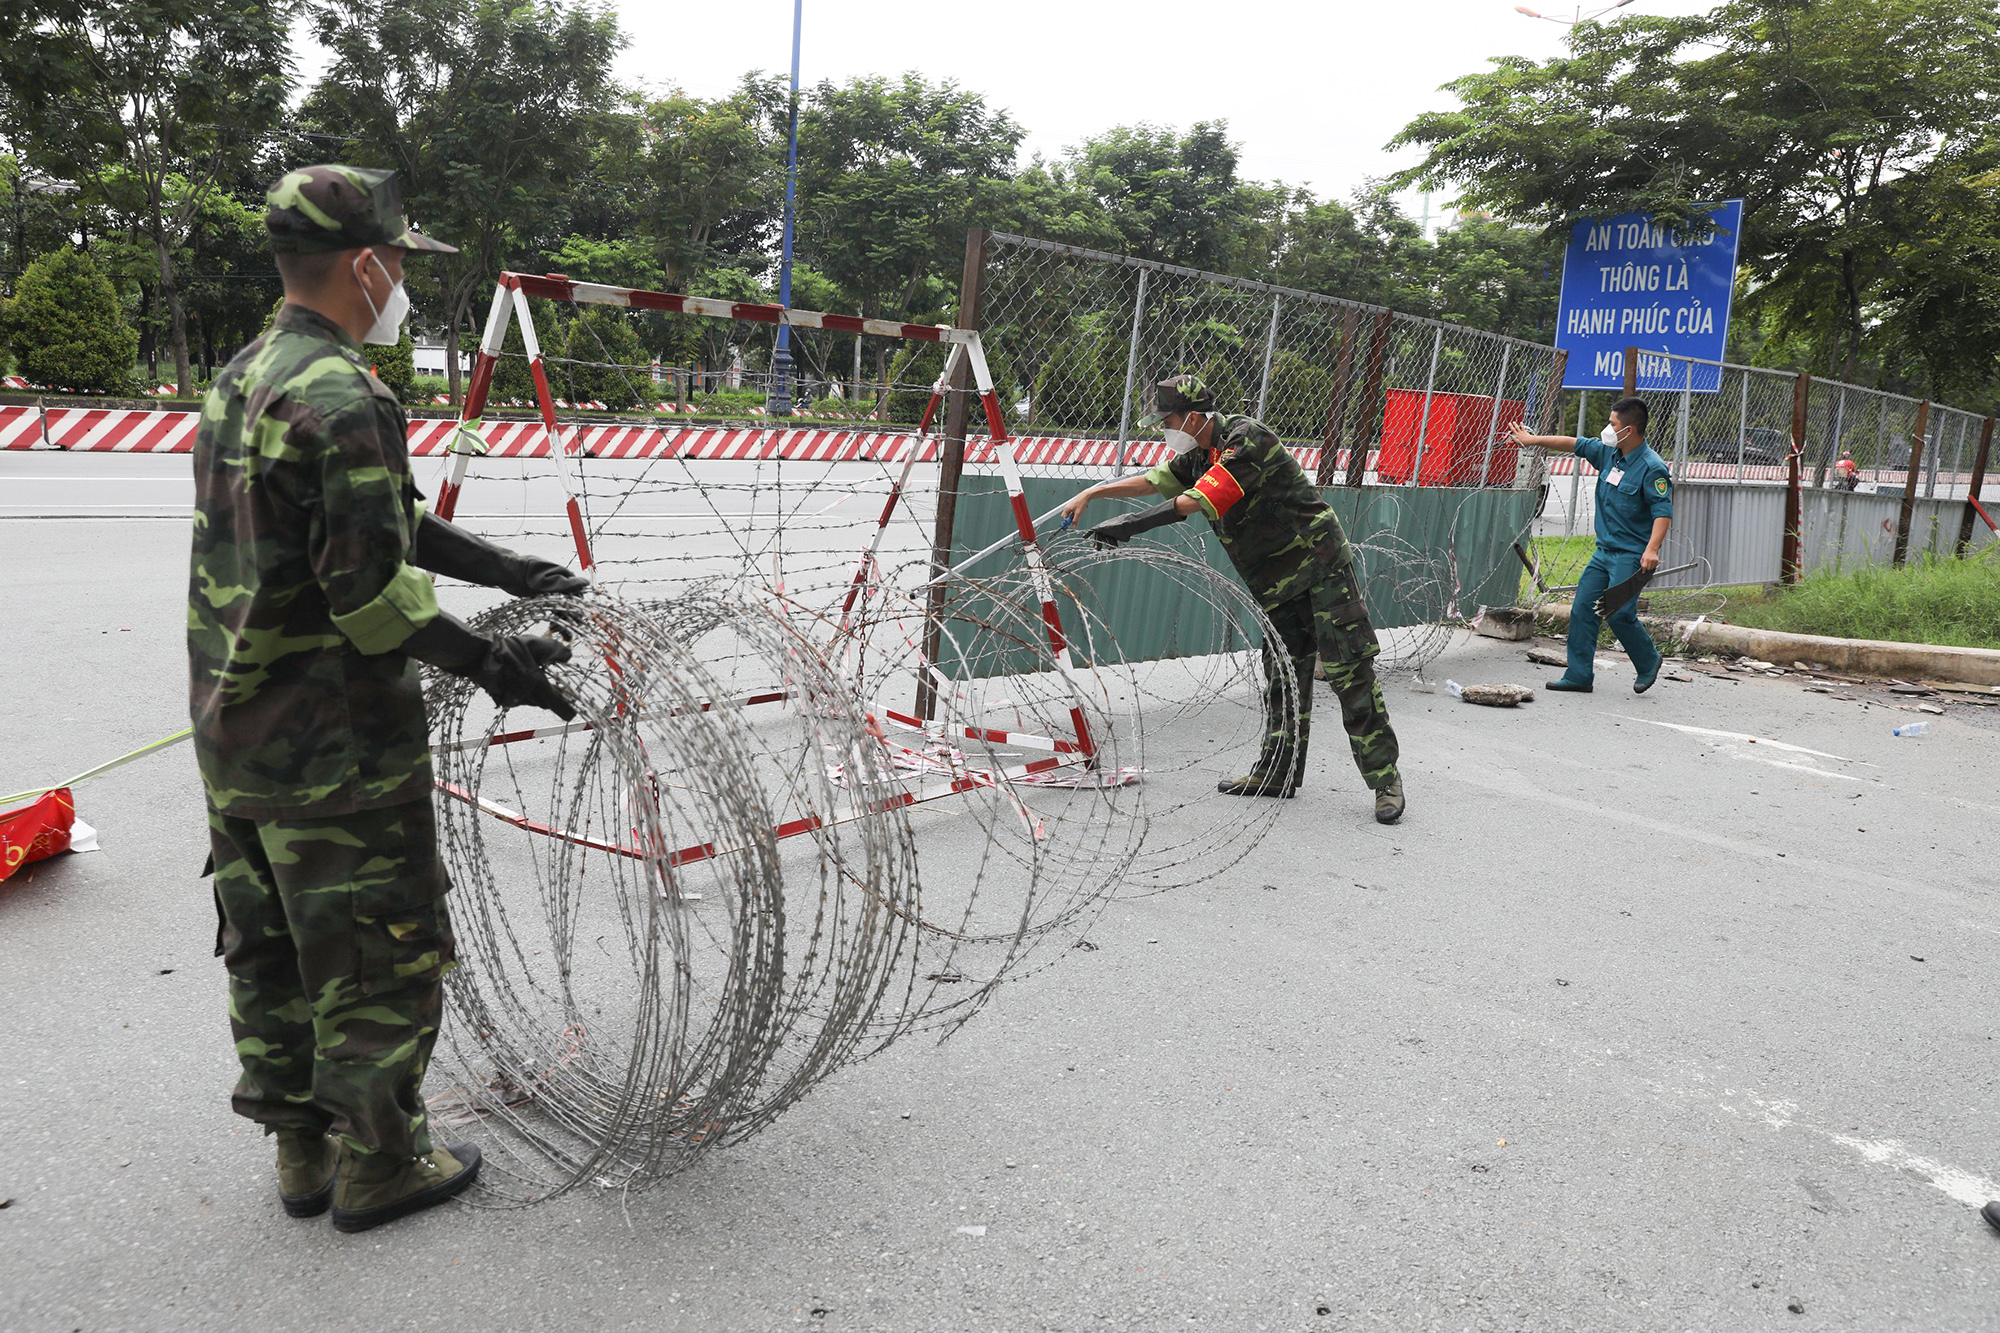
1219	488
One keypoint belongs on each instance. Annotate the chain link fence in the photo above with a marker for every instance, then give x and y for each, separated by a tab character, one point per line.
1078	338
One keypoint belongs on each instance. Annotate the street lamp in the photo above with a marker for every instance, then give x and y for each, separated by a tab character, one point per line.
779	401
1575	18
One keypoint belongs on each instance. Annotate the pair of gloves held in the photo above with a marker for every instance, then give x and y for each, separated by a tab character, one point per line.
512	668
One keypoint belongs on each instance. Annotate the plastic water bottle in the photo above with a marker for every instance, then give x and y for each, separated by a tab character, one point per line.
1912	729
1454	689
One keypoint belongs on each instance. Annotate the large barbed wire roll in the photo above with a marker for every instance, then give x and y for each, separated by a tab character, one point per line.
645	971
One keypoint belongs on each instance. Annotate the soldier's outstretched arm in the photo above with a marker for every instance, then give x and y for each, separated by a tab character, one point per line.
447	549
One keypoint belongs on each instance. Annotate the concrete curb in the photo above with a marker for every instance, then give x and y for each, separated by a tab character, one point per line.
1871	657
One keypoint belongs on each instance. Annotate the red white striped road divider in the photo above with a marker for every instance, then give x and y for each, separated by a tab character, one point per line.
136	430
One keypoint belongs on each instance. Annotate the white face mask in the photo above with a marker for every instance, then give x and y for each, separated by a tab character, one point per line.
1179	440
387	330
1609	435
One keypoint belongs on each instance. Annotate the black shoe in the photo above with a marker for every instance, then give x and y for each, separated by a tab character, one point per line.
1644	680
1257	784
1568	686
1991	1212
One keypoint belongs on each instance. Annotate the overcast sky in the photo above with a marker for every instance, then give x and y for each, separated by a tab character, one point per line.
1311	90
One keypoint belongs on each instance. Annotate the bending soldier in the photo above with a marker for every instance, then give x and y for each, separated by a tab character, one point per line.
1290	551
307	615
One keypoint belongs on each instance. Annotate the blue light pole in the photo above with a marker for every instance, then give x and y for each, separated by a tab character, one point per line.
780	399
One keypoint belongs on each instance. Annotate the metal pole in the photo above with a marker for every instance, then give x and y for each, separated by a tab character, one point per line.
951	467
1131	370
1742	427
1270	349
1931	464
1493	428
1681	427
779	400
1576	465
1789	540
1424	422
1833	443
1917	438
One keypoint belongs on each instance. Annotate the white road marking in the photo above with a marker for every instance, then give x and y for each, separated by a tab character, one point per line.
1740	736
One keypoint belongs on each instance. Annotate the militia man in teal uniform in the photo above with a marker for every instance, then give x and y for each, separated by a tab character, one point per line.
1635	507
308	612
1290	551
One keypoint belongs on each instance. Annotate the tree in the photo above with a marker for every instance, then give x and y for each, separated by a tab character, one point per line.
66	326
1827	118
605	361
1168	196
488	112
891	175
396	366
146	104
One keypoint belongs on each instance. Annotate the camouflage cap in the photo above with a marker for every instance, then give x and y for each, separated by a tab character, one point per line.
315	210
1186	392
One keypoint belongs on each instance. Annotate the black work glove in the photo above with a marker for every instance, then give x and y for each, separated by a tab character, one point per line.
508	667
1117	531
445	548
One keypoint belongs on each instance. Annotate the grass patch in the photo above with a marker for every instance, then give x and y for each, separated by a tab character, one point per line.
1955	602
1561	560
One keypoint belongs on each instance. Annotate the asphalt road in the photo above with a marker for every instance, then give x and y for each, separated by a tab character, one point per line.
1639	1020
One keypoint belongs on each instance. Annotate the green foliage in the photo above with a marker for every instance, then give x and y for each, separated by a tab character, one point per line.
1954	602
1169	196
396	367
490	112
1826	118
67	328
424	388
145	105
917	366
1300	399
620	378
1081	386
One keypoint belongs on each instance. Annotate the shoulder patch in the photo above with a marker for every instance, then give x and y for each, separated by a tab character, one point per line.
1659	485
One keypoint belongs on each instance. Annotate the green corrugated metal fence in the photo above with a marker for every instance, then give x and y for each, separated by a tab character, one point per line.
1149	613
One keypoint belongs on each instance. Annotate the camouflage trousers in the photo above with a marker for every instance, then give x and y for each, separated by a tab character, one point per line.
337	939
1329	619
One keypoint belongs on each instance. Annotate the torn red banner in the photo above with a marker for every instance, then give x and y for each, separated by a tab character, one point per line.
44	827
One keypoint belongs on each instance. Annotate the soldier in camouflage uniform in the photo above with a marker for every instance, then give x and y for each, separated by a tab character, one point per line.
1289	549
308	612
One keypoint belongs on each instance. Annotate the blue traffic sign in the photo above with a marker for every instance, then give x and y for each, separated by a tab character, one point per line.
1629	281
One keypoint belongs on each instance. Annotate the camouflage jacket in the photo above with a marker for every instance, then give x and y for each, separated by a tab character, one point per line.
1264	508
300	594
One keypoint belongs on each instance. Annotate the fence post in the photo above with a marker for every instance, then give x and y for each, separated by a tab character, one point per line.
1343	368
1131	370
1378	357
1493	428
1575	466
1909	505
1552	400
1839	427
1631	372
1270	350
1788	551
1742	426
1972	492
1424	422
951	467
1681	424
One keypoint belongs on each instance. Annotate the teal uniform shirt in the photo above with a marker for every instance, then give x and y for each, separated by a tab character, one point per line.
1632	491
